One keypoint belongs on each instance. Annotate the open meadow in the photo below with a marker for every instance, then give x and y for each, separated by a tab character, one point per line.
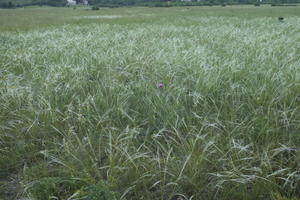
181	103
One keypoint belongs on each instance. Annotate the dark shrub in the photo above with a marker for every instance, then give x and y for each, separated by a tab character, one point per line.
7	5
4	5
10	5
95	8
281	19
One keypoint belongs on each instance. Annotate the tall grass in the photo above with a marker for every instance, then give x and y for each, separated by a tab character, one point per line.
82	115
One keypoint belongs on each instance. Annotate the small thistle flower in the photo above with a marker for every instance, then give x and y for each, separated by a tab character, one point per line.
160	85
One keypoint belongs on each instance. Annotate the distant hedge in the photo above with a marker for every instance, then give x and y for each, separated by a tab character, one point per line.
275	4
7	5
166	3
55	3
151	3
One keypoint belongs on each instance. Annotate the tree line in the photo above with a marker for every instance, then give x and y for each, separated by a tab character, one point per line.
152	3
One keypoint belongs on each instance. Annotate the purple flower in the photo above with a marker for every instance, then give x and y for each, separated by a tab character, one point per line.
160	85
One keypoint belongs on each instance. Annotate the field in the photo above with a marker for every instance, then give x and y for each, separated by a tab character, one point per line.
150	103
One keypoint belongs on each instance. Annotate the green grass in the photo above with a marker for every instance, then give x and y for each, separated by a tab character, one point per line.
29	18
82	116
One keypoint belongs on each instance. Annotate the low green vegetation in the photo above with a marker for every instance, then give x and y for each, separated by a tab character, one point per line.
150	103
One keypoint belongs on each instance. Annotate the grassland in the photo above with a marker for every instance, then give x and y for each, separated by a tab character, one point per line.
150	103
